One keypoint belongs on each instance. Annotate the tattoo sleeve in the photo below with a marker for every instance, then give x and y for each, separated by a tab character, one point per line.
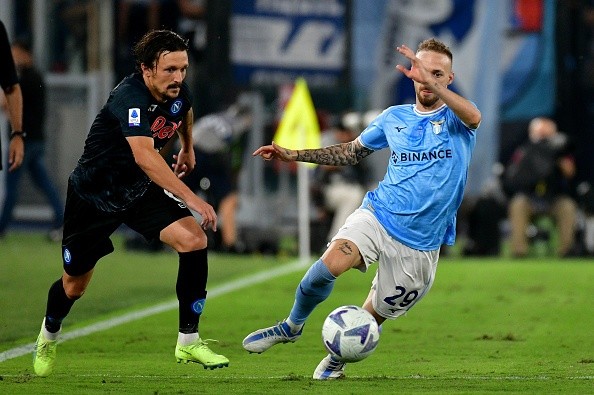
335	155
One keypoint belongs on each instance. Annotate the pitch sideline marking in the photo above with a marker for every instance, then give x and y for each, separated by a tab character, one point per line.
161	307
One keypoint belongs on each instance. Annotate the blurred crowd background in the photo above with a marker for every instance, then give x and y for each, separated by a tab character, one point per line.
516	59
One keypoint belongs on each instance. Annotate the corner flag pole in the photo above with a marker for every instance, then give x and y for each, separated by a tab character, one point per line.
299	129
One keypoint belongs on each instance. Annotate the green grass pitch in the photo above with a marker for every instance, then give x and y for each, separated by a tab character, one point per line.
488	326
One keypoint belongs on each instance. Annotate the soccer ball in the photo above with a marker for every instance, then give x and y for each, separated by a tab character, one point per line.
350	333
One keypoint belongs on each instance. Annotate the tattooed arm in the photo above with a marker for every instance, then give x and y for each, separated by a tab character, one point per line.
334	155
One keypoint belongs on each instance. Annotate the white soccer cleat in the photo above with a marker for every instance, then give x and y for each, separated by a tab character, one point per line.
329	369
262	339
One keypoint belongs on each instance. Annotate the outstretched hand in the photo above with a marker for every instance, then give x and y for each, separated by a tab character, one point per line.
417	72
275	151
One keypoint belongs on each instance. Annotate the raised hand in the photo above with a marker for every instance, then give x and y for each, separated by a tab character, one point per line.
417	71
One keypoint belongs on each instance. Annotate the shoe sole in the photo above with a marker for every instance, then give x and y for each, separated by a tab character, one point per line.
211	367
342	376
260	352
280	342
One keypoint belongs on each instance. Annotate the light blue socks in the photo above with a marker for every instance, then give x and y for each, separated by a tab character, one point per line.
314	288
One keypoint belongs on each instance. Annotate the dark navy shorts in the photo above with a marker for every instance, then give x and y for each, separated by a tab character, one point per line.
87	230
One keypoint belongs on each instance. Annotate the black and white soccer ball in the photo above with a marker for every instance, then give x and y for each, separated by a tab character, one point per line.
350	333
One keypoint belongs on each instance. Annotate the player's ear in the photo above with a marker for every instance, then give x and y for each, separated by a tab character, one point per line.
145	69
451	78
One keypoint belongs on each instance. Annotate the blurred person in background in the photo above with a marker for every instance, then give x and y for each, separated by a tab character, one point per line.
338	190
14	103
34	96
133	19
70	35
219	142
539	181
193	26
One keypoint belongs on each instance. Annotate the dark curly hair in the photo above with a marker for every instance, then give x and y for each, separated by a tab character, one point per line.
154	43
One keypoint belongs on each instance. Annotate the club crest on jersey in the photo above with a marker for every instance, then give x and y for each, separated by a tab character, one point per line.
134	117
437	126
67	256
176	106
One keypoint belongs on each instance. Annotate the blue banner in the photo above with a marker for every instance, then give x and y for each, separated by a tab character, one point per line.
275	41
503	59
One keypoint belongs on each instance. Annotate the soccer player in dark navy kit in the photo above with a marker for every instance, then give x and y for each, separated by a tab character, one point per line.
122	179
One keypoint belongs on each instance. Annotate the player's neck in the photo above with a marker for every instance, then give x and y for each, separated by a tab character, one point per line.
424	109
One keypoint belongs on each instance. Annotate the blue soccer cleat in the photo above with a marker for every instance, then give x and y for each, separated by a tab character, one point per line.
329	369
262	339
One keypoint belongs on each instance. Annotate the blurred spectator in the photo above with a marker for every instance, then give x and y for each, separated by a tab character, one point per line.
338	190
483	216
70	35
539	181
14	102
219	142
134	19
586	200
33	90
193	26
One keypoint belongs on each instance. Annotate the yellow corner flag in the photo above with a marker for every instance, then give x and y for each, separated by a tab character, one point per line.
298	127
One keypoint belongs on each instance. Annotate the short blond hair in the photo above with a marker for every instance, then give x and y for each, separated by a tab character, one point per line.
434	45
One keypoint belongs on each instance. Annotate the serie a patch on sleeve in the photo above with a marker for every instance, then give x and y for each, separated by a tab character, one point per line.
134	117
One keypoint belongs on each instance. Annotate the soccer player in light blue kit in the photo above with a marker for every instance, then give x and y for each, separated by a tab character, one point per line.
402	224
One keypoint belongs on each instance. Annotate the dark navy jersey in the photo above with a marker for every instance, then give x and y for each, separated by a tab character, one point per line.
107	175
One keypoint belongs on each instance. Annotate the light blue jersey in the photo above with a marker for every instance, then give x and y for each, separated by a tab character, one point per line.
420	194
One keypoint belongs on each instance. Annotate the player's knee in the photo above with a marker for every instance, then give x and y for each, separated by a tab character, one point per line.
74	291
341	256
185	242
75	285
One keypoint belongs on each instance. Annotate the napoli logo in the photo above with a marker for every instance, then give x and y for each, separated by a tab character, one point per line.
67	256
176	106
198	306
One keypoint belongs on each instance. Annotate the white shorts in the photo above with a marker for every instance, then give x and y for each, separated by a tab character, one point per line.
404	275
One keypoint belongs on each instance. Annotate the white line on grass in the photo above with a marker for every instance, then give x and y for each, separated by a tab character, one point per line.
231	377
159	308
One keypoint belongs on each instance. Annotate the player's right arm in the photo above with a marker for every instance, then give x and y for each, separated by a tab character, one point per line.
155	167
334	155
14	107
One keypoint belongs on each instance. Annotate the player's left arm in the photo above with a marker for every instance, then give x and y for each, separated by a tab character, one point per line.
185	160
156	168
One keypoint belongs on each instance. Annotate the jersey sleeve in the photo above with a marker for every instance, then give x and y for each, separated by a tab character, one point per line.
130	106
8	74
374	136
